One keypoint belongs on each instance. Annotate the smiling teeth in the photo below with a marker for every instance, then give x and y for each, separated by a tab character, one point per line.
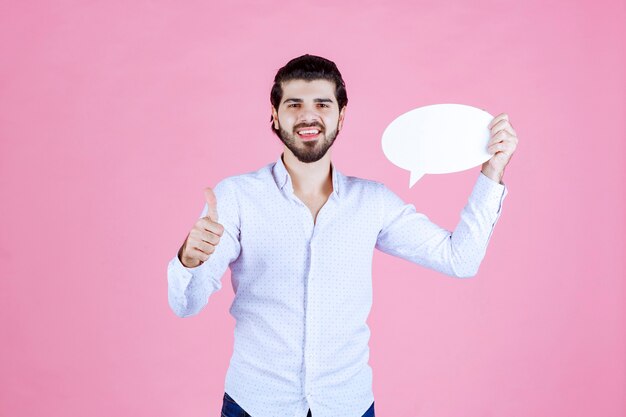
306	132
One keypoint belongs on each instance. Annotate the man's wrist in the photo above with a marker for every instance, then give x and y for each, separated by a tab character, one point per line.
493	174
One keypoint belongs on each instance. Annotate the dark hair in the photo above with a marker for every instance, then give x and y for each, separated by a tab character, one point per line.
309	67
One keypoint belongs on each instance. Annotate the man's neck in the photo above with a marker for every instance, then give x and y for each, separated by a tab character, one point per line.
311	179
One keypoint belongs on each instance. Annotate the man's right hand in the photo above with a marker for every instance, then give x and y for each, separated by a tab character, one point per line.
204	236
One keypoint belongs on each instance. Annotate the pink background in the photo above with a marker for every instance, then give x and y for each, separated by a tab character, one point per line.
116	114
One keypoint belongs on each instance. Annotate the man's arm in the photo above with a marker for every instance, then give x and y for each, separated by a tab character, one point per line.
412	236
189	289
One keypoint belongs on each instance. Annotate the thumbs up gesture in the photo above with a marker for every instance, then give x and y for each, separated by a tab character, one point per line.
204	237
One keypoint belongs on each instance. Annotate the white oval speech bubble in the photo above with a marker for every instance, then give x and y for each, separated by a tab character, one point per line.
438	139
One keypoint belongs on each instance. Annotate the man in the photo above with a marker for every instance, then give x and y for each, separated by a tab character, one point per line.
299	237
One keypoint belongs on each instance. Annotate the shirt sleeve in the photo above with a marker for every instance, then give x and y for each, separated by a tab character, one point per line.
189	289
413	237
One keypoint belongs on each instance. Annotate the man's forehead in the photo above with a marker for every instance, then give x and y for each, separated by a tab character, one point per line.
309	87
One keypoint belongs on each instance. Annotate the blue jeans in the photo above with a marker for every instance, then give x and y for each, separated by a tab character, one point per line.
231	409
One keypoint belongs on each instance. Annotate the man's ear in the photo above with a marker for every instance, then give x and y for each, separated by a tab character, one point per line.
275	125
342	115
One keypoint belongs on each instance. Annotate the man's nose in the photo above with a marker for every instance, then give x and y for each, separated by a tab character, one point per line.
308	115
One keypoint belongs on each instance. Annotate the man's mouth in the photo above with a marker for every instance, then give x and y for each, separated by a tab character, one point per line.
308	133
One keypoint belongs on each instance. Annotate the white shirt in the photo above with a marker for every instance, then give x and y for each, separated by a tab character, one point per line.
303	291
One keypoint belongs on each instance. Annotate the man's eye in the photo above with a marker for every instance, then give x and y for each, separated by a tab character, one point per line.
293	105
324	105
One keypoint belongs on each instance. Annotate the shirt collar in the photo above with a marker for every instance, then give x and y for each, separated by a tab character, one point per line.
282	177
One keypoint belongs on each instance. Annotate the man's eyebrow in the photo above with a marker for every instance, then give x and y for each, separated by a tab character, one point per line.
317	100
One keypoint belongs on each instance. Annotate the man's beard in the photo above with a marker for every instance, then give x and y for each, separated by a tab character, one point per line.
311	151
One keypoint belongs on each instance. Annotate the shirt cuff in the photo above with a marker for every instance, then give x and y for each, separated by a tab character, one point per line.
177	266
489	193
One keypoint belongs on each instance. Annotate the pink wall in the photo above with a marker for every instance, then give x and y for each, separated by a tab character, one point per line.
115	114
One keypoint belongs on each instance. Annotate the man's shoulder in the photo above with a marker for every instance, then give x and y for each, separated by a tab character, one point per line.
248	178
353	183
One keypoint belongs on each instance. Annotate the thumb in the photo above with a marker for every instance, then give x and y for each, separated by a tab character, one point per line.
211	201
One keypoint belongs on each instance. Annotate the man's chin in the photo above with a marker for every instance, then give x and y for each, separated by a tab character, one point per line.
306	151
309	157
308	161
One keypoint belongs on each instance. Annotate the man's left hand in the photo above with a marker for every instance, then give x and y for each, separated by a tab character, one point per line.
502	144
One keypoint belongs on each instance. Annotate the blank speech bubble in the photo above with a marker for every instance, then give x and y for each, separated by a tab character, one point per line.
438	139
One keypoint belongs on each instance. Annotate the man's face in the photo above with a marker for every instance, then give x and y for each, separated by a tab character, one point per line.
308	118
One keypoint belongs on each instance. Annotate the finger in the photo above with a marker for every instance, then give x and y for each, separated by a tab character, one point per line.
503	156
504	137
211	238
498	147
501	116
198	237
196	253
501	136
503	147
206	248
503	125
210	226
202	246
211	201
494	148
